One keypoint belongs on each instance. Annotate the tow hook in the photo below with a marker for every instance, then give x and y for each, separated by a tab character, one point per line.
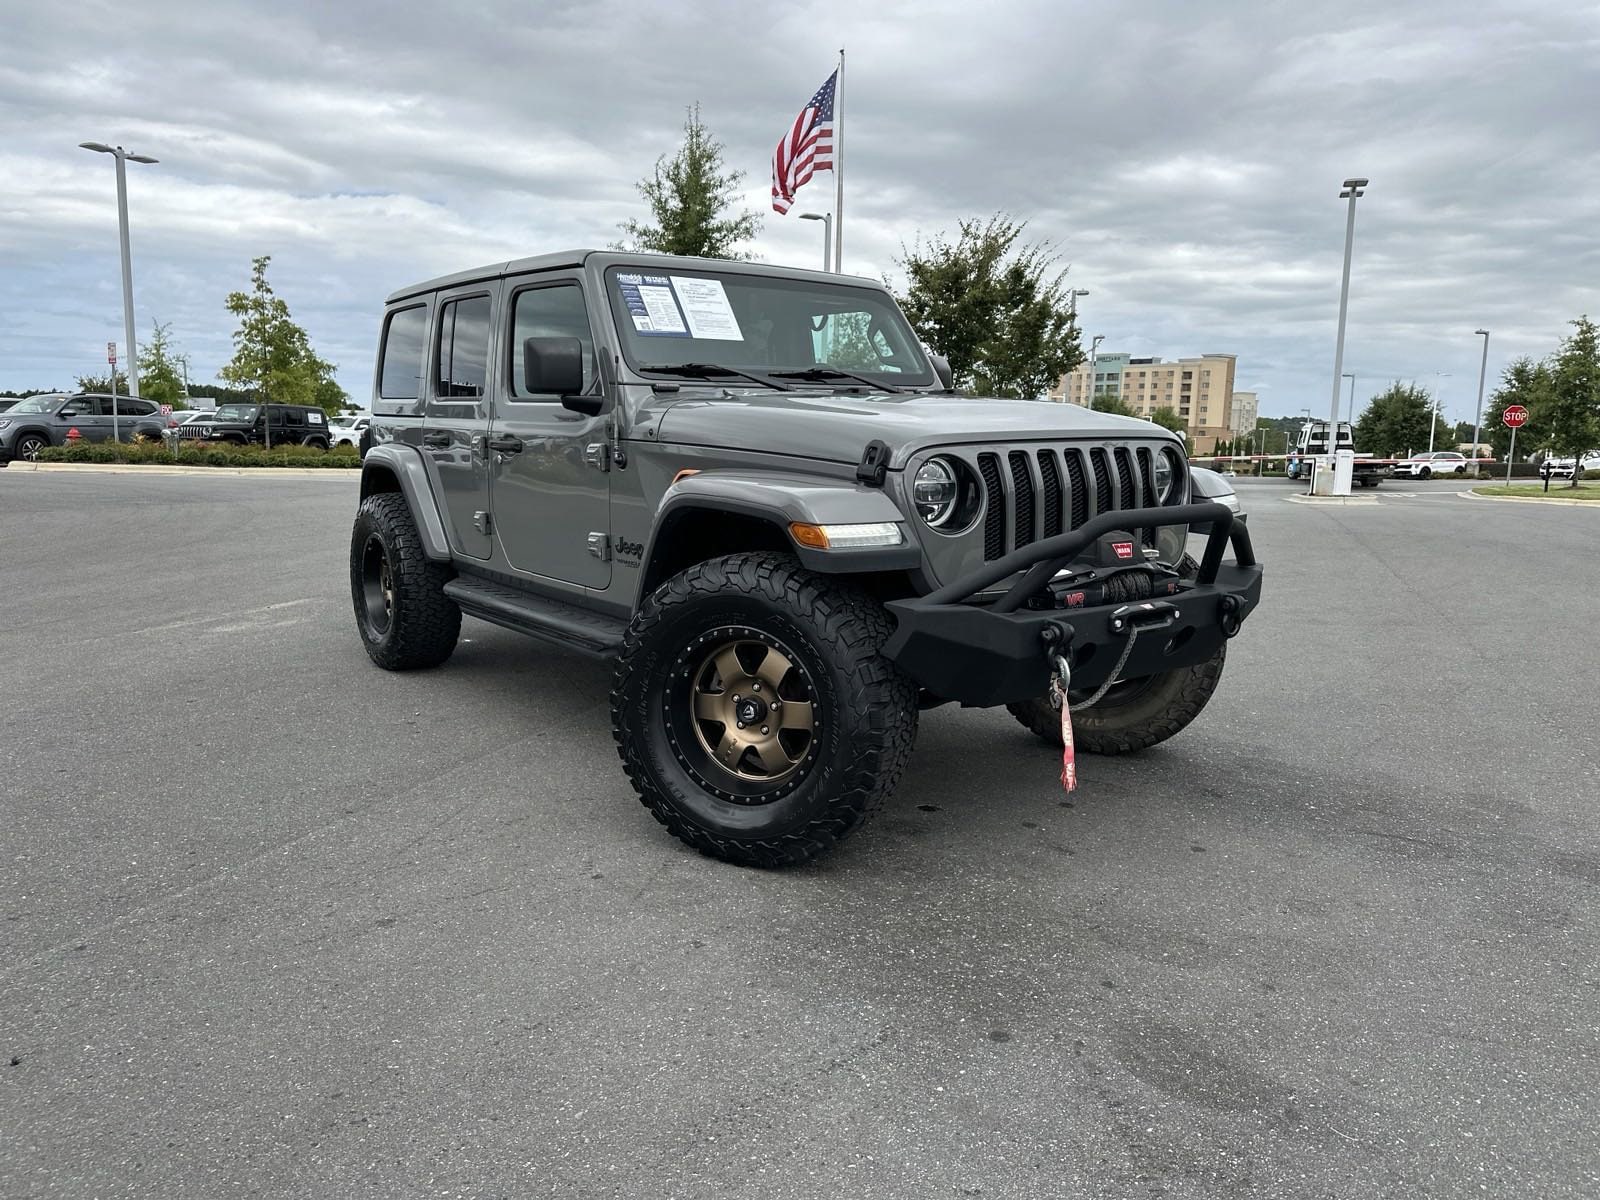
1147	614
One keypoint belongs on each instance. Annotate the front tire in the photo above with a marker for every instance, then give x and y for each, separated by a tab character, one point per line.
754	713
29	445
1136	714
1425	473
405	619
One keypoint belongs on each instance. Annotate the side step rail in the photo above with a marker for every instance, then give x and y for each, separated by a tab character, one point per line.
564	624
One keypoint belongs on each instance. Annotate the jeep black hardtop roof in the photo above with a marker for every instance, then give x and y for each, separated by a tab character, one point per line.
573	259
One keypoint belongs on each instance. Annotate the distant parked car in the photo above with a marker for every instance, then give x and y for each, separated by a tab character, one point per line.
39	421
347	431
6	402
249	424
1561	468
1438	462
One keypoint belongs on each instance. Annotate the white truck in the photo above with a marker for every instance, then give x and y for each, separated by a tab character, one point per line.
1313	444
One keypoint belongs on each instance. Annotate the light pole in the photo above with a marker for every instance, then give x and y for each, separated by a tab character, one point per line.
1477	422
1352	192
827	236
1433	409
1072	308
1350	413
1094	357
122	156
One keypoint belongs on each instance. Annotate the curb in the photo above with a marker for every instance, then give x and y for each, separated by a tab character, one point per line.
1532	500
1362	501
159	469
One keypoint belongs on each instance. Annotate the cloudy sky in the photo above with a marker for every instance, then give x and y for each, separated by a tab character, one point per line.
1183	158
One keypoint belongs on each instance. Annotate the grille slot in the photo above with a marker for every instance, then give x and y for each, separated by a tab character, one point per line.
1022	491
1100	468
1078	487
1147	470
994	517
1051	475
1127	485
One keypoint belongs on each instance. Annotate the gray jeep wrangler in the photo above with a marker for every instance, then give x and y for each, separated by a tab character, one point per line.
755	490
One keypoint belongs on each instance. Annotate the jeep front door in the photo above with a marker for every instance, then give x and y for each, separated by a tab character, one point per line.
456	419
551	490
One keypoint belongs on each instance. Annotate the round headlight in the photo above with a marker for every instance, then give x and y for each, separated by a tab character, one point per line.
935	491
1166	470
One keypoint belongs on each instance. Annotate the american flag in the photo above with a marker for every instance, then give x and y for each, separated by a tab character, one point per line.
805	148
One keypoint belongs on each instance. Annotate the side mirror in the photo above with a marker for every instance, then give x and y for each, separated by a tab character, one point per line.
554	366
941	368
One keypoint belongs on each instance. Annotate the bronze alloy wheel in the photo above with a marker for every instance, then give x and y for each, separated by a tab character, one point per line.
377	586
741	715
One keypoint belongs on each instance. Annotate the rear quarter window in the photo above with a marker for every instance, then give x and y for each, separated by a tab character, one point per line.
401	355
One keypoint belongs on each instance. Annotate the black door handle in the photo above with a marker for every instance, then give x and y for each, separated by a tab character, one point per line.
505	444
441	438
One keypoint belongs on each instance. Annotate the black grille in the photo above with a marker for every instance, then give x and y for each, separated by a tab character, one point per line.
1022	486
1080	492
994	519
1100	466
1051	474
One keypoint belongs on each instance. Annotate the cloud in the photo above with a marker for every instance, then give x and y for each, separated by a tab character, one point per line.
1184	161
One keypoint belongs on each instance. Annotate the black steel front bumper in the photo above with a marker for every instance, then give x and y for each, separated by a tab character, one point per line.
965	643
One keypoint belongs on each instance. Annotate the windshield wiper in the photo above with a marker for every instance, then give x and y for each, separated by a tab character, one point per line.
710	370
823	374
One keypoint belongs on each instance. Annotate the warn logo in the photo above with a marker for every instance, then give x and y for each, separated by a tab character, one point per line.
1122	549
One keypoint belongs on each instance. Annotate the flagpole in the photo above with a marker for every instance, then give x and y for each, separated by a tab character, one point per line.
838	167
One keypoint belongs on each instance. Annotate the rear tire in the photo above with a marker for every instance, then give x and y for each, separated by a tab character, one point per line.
405	619
846	717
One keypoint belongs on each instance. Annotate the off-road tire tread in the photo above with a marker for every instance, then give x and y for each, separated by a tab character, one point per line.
848	627
428	623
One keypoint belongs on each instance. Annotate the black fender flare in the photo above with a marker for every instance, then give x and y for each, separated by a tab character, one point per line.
403	464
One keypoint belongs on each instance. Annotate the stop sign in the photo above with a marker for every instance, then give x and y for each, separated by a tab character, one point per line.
1516	415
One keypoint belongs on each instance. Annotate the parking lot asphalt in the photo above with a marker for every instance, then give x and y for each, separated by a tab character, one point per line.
275	923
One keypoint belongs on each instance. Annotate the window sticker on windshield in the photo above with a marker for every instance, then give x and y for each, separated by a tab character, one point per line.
706	305
651	305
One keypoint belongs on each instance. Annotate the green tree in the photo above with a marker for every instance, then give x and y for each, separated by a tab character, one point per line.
160	369
993	308
102	383
691	196
272	356
1112	405
1168	418
1522	382
1395	421
1569	406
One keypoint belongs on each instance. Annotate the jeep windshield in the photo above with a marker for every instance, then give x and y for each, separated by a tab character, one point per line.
719	327
242	413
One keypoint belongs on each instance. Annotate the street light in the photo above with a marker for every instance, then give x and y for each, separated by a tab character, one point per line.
1351	414
122	156
1352	192
1433	410
1072	308
827	236
1477	422
1094	349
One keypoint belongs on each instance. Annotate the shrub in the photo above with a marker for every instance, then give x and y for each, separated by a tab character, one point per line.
192	455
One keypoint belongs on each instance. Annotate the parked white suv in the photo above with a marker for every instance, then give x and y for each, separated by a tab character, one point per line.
1438	462
1561	468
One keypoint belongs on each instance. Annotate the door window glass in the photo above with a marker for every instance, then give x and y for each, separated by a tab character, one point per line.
463	348
404	341
80	408
550	312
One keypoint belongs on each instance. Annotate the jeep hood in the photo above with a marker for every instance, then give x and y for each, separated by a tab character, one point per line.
837	427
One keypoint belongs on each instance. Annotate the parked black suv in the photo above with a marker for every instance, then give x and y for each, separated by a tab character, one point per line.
250	424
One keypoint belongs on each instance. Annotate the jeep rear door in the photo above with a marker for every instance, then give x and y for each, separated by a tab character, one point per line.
551	490
455	421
